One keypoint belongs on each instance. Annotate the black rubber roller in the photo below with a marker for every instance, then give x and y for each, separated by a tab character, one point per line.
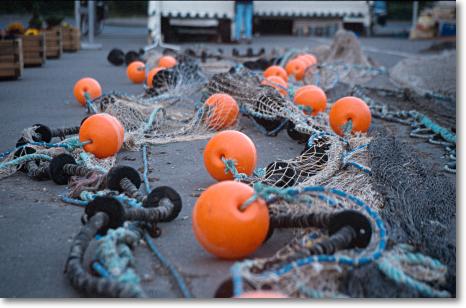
295	135
359	222
116	57
84	119
21	152
109	206
117	173
131	56
42	134
157	194
281	174
269	124
56	168
225	289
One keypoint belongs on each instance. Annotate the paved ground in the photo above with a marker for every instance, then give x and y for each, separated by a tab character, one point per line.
36	228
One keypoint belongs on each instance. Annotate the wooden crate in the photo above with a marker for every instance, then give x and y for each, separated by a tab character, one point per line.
11	59
53	43
71	39
33	49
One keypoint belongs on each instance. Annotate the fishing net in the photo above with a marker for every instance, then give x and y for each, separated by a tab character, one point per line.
373	174
346	164
416	74
41	153
341	62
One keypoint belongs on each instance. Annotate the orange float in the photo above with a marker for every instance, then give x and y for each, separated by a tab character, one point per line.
136	72
313	97
229	144
277	83
222	227
121	128
151	75
86	85
306	60
103	133
223	111
262	294
276	70
296	67
350	108
310	58
167	61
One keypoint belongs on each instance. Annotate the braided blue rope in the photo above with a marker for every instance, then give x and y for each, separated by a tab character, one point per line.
89	104
25	158
290	194
400	277
348	154
152	117
165	262
101	270
74	201
87	196
69	144
442	131
145	174
230	166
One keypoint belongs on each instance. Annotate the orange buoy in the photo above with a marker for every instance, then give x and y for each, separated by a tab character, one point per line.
277	83
223	111
86	85
305	60
167	61
296	67
313	97
222	227
151	75
233	145
120	127
262	294
350	108
136	72
276	70
103	133
310	58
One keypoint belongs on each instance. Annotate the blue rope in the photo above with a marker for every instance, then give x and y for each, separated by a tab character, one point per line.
290	194
101	270
68	144
145	174
25	158
89	103
152	117
346	155
74	201
230	166
165	262
400	277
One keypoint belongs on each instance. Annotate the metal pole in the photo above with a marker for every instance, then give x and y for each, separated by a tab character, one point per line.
77	15
91	20
415	12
